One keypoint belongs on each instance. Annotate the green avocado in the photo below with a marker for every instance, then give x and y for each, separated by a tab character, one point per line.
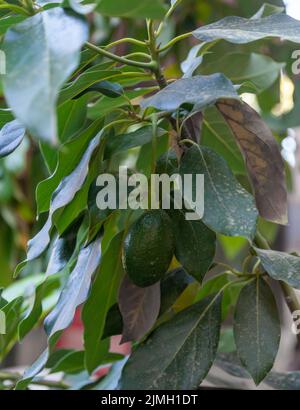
149	248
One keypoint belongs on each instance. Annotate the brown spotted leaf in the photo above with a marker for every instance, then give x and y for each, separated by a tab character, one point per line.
262	156
139	308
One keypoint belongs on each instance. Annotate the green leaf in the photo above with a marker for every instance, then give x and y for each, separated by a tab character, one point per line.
240	30
12	312
152	9
41	53
139	308
88	78
257	329
113	323
71	362
261	71
195	244
68	158
11	136
75	290
263	159
179	353
103	295
281	266
268	9
71	118
199	91
8	21
228	208
62	196
123	142
172	286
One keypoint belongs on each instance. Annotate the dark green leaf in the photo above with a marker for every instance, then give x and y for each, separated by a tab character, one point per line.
241	30
179	353
199	91
11	136
281	266
228	208
172	286
41	53
103	296
195	244
139	308
262	156
257	329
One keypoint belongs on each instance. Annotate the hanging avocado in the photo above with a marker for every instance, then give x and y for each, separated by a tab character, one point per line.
149	248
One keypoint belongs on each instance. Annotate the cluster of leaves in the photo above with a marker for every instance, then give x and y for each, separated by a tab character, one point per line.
89	110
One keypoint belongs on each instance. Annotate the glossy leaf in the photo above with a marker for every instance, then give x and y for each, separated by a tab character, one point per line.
11	136
199	91
179	353
195	244
41	53
281	266
240	30
139	308
262	156
257	329
228	208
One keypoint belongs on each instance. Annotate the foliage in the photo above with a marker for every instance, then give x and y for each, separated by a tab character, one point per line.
79	101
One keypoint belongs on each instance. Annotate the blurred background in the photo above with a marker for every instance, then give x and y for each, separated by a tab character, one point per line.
276	97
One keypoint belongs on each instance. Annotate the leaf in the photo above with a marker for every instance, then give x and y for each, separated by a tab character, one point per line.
8	21
172	286
261	71
103	295
257	329
41	53
193	126
152	9
124	142
240	30
268	9
139	308
71	362
12	313
68	158
262	156
281	266
200	91
62	196
113	323
11	136
179	353
88	78
195	244
217	135
75	290
228	208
